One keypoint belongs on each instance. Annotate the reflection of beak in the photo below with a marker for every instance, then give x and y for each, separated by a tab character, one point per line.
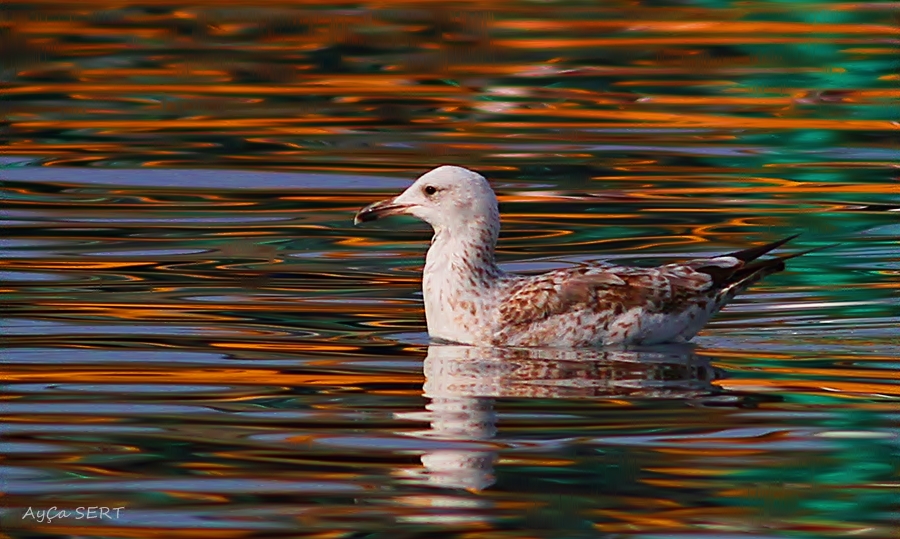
378	210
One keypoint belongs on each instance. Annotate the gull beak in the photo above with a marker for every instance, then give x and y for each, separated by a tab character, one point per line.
379	209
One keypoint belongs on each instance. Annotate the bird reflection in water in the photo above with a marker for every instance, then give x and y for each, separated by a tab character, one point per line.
464	381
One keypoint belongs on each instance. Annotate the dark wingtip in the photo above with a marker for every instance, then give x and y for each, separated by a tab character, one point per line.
752	270
748	255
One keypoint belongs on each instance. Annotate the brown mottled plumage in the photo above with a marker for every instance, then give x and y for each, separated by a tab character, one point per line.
468	299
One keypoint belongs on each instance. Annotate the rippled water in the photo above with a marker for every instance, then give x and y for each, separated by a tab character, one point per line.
195	333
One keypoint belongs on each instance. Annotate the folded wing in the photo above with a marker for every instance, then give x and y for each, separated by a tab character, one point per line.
663	299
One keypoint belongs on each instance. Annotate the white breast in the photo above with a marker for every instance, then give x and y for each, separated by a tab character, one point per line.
453	310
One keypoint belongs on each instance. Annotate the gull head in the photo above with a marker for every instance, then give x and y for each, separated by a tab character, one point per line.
448	197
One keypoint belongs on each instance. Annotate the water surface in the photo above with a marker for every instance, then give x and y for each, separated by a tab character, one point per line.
194	331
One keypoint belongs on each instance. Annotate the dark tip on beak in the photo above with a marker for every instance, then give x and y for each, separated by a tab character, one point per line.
376	211
365	215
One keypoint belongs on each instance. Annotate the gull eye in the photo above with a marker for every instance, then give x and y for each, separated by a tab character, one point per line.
430	190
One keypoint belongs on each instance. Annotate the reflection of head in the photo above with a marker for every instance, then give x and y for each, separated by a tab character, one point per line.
472	470
462	381
460	418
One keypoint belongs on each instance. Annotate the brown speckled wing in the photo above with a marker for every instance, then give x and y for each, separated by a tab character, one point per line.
611	293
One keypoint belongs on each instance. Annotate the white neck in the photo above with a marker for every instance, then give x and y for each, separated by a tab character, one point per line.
459	281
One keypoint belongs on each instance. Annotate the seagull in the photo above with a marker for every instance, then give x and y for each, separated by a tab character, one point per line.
470	300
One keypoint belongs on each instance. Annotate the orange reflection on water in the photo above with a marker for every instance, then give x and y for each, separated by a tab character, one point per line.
712	26
562	43
160	530
838	388
210	376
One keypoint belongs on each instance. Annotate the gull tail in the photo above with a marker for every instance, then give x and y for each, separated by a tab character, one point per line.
732	280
